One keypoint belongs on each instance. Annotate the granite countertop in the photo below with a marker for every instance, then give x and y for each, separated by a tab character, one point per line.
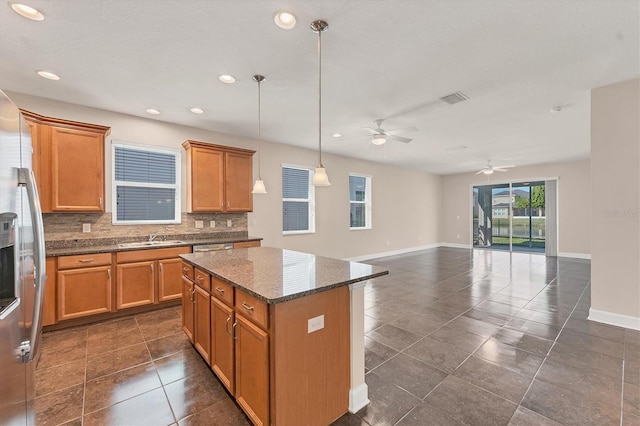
277	275
113	247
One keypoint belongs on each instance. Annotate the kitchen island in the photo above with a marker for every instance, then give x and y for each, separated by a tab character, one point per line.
283	330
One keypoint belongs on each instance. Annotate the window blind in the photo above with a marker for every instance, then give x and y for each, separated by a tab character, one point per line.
296	200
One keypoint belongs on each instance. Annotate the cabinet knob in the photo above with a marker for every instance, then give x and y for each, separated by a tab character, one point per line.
233	330
220	290
247	307
108	274
85	260
185	269
226	326
199	278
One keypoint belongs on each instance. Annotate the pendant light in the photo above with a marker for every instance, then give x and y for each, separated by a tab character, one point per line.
259	188
320	177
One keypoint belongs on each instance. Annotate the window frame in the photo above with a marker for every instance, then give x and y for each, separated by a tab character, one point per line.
367	203
311	200
177	153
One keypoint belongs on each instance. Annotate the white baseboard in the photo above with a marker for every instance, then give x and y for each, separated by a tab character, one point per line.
358	398
455	245
619	320
391	253
575	255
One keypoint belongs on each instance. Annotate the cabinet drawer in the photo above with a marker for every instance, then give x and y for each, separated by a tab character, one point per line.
84	260
187	270
203	279
222	291
246	244
251	308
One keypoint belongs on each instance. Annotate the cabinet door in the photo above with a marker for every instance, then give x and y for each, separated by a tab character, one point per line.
202	326
84	291
135	284
77	170
238	182
169	279
222	361
207	180
187	308
49	303
252	370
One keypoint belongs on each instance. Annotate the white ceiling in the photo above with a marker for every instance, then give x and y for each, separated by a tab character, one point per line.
381	59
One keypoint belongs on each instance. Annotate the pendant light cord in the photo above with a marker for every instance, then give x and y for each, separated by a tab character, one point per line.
320	98
259	134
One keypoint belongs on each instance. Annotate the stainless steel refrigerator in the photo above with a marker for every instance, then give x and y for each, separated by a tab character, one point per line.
22	269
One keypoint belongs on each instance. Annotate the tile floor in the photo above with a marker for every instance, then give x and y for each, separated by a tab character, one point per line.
453	337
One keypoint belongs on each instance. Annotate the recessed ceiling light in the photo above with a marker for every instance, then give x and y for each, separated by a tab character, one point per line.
228	79
152	111
555	109
27	11
196	110
337	135
285	20
48	75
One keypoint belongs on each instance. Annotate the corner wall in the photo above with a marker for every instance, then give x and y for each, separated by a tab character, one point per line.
574	201
615	171
405	202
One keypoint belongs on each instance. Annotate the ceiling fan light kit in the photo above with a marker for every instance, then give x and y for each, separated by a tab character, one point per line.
320	177
378	140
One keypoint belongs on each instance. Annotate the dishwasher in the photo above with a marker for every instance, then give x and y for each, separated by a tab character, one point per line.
212	247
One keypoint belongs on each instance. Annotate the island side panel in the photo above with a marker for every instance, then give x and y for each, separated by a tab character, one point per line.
311	370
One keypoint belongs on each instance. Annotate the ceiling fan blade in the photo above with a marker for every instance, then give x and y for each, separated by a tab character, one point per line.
372	131
481	171
399	131
398	139
496	169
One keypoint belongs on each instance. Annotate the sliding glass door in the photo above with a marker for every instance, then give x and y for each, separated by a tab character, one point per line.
509	216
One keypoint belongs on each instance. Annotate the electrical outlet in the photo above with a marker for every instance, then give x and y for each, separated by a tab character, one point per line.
315	324
199	224
86	227
212	224
229	223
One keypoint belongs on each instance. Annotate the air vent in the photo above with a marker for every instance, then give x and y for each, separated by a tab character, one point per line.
454	98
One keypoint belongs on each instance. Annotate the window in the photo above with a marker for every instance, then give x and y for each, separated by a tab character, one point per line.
298	200
146	187
359	201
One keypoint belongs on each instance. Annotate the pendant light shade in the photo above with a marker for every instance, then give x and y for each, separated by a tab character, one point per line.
258	187
320	177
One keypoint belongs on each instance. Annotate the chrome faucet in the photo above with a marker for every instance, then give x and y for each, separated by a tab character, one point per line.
152	236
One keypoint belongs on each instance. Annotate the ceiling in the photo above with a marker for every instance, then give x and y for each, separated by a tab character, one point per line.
515	60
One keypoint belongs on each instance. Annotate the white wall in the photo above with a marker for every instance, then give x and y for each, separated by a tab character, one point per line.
405	202
615	169
574	201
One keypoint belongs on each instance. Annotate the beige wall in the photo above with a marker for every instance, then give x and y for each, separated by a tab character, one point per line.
405	202
574	201
615	172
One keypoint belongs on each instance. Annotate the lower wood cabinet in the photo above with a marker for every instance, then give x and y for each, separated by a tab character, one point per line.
202	326
136	284
222	343
169	279
84	291
188	300
252	370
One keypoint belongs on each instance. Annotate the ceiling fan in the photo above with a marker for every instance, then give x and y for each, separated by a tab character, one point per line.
380	136
489	169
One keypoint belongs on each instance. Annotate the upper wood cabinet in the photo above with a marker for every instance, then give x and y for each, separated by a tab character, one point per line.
219	178
68	160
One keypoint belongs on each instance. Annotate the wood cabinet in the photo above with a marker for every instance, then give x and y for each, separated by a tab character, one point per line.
68	160
219	178
202	325
146	277
252	370
49	303
82	289
188	294
246	244
222	342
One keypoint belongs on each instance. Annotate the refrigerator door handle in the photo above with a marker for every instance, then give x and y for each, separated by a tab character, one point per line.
27	178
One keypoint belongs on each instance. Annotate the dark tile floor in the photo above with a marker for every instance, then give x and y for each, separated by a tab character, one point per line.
454	337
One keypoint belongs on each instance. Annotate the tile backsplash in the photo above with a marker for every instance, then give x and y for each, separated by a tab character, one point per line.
68	226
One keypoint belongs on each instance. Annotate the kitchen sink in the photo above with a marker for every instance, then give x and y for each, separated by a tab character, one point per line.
142	244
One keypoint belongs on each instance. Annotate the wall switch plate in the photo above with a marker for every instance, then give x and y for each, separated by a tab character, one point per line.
315	324
229	223
86	227
212	224
199	224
